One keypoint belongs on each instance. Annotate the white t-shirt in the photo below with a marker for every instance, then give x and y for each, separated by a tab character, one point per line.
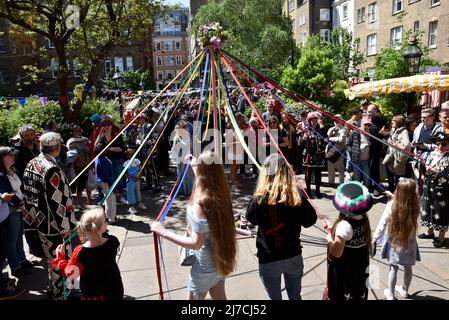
364	147
344	229
15	184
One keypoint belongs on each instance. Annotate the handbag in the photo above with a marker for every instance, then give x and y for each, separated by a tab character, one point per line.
332	155
186	256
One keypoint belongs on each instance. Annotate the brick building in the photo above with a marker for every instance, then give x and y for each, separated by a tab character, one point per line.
171	45
16	49
309	17
377	23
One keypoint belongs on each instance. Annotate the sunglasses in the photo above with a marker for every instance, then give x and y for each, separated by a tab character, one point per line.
443	144
107	125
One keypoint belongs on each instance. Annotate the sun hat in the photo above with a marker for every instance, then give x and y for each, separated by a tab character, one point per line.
352	198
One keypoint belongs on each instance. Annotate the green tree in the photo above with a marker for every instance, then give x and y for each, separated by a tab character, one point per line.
313	73
83	29
342	49
258	32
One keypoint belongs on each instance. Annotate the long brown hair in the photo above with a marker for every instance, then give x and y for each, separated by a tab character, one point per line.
404	214
277	182
211	192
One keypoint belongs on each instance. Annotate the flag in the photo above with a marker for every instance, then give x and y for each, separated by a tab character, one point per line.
43	101
79	94
22	101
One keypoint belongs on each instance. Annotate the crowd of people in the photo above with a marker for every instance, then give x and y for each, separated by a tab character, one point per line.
36	195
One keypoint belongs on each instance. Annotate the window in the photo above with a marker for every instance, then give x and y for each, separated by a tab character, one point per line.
4	78
371	44
398	6
129	64
433	32
167	46
76	68
50	44
160	75
434	2
159	61
325	35
2	45
325	14
302	20
361	15
157	30
13	47
177	45
415	26
169	61
396	37
291	5
54	68
345	12
118	64
178	60
158	46
304	38
372	8
107	66
412	1
169	74
301	2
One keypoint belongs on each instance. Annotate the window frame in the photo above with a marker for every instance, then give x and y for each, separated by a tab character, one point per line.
395	4
396	43
374	14
368	44
435	34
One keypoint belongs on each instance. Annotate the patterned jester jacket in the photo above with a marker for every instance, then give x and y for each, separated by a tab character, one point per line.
48	206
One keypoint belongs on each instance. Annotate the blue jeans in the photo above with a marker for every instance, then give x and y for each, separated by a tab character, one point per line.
15	254
270	274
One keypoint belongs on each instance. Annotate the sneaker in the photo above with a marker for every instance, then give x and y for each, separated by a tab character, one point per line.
142	206
402	292
426	236
438	244
123	200
132	210
235	188
388	295
376	193
11	292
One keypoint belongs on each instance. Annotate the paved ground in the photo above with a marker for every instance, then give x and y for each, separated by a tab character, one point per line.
137	263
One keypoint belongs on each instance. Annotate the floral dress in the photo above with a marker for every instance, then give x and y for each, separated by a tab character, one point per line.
435	211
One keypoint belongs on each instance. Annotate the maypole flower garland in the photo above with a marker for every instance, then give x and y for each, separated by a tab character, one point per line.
212	35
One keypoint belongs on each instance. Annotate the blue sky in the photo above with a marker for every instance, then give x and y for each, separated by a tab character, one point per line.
184	3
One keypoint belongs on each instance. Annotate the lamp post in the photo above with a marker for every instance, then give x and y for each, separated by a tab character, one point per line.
118	80
412	56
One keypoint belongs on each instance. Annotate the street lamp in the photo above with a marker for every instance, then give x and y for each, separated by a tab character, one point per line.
412	56
118	80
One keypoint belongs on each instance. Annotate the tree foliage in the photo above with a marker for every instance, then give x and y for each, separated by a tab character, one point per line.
32	113
83	29
258	32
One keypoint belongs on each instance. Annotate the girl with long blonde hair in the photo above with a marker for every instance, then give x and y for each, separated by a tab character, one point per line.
212	231
279	210
400	221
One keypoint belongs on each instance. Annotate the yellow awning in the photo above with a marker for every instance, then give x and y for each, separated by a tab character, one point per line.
417	83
